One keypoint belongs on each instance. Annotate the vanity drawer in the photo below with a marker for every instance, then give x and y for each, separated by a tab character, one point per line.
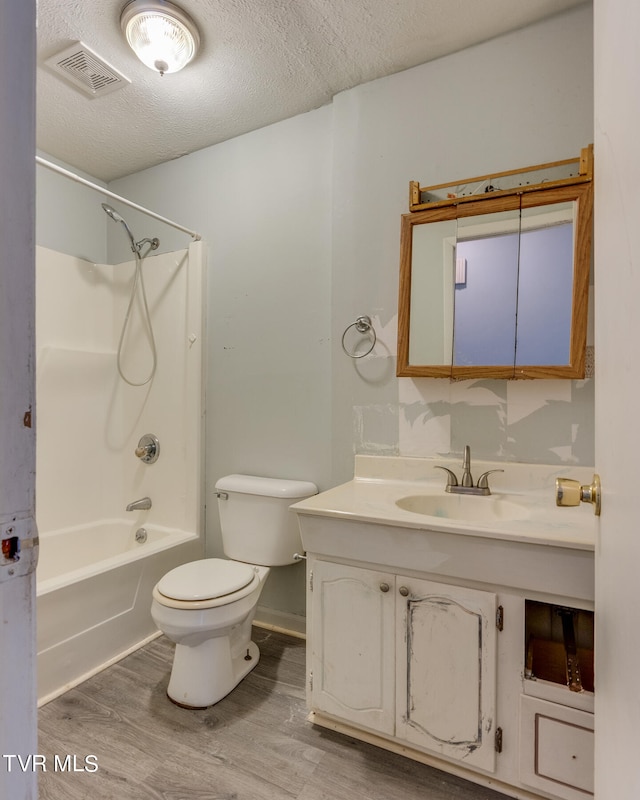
556	748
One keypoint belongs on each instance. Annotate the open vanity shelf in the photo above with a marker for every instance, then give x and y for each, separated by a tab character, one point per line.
556	708
559	645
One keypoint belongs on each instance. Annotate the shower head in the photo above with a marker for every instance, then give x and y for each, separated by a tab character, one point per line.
135	246
111	212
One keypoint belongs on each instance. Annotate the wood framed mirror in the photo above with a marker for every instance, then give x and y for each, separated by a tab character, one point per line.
497	285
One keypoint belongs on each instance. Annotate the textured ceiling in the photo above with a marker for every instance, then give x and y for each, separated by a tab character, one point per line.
260	61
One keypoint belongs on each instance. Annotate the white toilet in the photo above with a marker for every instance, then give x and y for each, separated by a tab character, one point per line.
206	607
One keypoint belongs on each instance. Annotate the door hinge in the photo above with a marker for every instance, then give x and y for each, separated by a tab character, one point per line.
310	580
500	618
311	681
498	740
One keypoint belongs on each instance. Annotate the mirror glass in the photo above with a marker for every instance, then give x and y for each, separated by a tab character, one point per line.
486	289
496	287
432	293
545	285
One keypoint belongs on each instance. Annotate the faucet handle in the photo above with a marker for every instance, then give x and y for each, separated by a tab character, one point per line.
148	448
451	476
483	483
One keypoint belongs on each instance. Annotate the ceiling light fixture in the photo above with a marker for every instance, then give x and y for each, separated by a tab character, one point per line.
163	37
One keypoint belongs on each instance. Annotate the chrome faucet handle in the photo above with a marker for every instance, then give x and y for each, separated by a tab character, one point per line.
467	479
483	483
451	476
148	449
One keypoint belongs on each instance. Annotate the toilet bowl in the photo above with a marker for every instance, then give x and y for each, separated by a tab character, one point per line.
214	650
207	607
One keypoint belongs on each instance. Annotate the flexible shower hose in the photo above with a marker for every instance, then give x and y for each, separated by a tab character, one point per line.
138	279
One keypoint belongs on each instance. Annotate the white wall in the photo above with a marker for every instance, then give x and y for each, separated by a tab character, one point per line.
302	220
89	420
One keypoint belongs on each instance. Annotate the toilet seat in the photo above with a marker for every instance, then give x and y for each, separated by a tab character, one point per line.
206	583
205	579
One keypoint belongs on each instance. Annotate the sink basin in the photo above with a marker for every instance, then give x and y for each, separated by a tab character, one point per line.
469	508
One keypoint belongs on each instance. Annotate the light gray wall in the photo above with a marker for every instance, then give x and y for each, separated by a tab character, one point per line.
302	221
262	203
521	99
69	218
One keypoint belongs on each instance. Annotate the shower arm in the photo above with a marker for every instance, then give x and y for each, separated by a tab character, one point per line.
154	243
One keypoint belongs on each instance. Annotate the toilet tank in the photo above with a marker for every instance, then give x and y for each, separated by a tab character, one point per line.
257	526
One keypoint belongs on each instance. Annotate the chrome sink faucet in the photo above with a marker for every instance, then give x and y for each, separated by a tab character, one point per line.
466	485
467	478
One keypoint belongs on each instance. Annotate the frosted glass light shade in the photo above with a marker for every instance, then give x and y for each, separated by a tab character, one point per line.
163	37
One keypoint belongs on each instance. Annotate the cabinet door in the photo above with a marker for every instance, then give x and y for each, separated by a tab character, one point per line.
352	644
446	670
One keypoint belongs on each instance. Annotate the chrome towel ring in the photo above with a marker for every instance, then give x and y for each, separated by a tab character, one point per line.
363	325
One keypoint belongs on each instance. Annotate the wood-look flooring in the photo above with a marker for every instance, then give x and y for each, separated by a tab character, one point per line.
255	744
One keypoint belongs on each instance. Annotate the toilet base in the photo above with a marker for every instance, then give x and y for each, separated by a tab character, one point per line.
201	676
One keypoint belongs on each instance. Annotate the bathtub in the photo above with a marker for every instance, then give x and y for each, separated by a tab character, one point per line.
94	586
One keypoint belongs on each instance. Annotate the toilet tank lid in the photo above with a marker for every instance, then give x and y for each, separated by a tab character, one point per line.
268	487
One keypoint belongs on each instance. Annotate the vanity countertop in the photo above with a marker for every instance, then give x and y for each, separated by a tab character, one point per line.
380	481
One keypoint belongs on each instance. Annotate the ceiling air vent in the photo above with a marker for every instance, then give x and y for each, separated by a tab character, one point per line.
83	68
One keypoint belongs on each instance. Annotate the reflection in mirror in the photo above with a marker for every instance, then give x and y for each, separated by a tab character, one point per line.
545	285
496	287
432	293
486	289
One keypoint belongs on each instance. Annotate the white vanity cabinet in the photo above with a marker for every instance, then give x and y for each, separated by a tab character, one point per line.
444	634
405	657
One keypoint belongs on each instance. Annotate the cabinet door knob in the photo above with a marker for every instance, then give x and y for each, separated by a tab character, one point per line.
384	587
403	591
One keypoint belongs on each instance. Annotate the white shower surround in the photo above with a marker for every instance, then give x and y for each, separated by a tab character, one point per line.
94	582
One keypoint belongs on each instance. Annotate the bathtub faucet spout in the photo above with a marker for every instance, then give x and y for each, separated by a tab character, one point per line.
144	504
